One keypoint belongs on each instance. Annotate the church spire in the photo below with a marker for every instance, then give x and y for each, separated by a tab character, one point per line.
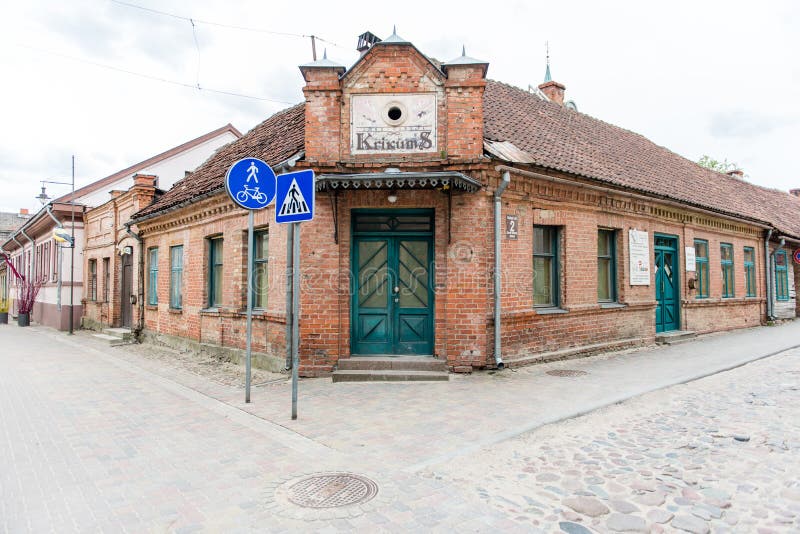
547	77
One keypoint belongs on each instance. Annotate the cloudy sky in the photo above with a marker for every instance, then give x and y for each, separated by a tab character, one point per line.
716	78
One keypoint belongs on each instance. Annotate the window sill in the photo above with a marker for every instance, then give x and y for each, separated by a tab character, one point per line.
153	307
550	311
612	305
177	311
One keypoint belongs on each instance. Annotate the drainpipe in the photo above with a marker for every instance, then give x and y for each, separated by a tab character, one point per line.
770	262
140	290
497	266
58	259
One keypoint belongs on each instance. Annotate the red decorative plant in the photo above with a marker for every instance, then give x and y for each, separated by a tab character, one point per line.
27	290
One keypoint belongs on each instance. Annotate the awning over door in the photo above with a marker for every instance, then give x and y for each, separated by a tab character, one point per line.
398	180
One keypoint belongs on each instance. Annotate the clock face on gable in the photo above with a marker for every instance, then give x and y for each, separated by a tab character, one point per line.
399	124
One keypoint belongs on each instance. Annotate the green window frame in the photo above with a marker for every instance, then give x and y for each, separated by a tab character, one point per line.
701	266
606	265
152	277
545	266
750	271
176	277
260	268
92	279
106	278
781	276
215	260
726	262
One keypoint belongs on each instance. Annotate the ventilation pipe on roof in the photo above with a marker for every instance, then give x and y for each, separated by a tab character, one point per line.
140	290
498	359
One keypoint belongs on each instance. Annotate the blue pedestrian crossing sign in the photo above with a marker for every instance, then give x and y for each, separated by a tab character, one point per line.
251	183
294	201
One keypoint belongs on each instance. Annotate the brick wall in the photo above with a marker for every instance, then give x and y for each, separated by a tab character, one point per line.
578	214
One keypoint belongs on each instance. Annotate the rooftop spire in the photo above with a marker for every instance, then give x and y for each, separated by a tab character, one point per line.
547	77
463	50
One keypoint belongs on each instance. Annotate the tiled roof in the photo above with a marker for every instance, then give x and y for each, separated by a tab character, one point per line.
573	142
275	140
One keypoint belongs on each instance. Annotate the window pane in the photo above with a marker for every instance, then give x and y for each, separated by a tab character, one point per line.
177	257
542	240
216	283
726	252
700	249
261	250
604	279
260	285
604	243
780	259
542	281
748	255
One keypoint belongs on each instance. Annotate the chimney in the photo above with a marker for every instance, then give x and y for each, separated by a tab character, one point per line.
23	212
795	192
365	42
554	91
145	180
736	173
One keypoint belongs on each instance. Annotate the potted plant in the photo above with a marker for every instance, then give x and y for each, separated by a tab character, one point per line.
27	290
3	311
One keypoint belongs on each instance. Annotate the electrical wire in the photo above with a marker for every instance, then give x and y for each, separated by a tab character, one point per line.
155	78
221	25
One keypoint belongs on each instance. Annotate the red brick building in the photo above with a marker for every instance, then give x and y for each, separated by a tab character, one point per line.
429	176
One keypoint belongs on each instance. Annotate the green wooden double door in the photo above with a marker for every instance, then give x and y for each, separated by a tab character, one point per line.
392	306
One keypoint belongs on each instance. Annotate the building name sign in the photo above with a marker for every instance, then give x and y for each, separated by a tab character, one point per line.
393	124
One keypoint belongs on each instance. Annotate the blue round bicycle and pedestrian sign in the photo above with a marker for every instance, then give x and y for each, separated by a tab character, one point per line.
251	183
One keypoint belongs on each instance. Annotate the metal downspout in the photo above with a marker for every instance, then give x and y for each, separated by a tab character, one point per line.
768	275
497	268
140	290
58	257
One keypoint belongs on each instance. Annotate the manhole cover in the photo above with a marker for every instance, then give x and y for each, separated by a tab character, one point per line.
331	490
566	372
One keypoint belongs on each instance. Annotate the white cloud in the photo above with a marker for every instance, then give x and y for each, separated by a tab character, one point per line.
696	77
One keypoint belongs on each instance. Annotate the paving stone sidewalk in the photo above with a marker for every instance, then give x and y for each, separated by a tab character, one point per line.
100	439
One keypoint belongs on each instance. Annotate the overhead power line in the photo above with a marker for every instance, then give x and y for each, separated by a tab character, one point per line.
222	25
155	78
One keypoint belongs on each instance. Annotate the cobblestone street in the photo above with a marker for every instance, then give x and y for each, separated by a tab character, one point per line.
721	454
124	439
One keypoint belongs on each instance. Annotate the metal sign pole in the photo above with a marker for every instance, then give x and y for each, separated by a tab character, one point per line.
289	286
295	313
249	304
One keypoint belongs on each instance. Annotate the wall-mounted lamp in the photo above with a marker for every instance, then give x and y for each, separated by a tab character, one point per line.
392	198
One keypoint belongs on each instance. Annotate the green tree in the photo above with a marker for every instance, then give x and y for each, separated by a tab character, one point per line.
715	165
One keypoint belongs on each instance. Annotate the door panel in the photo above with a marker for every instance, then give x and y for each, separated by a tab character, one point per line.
372	297
127	291
414	316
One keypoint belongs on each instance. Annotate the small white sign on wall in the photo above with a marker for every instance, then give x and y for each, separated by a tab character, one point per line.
639	257
691	263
